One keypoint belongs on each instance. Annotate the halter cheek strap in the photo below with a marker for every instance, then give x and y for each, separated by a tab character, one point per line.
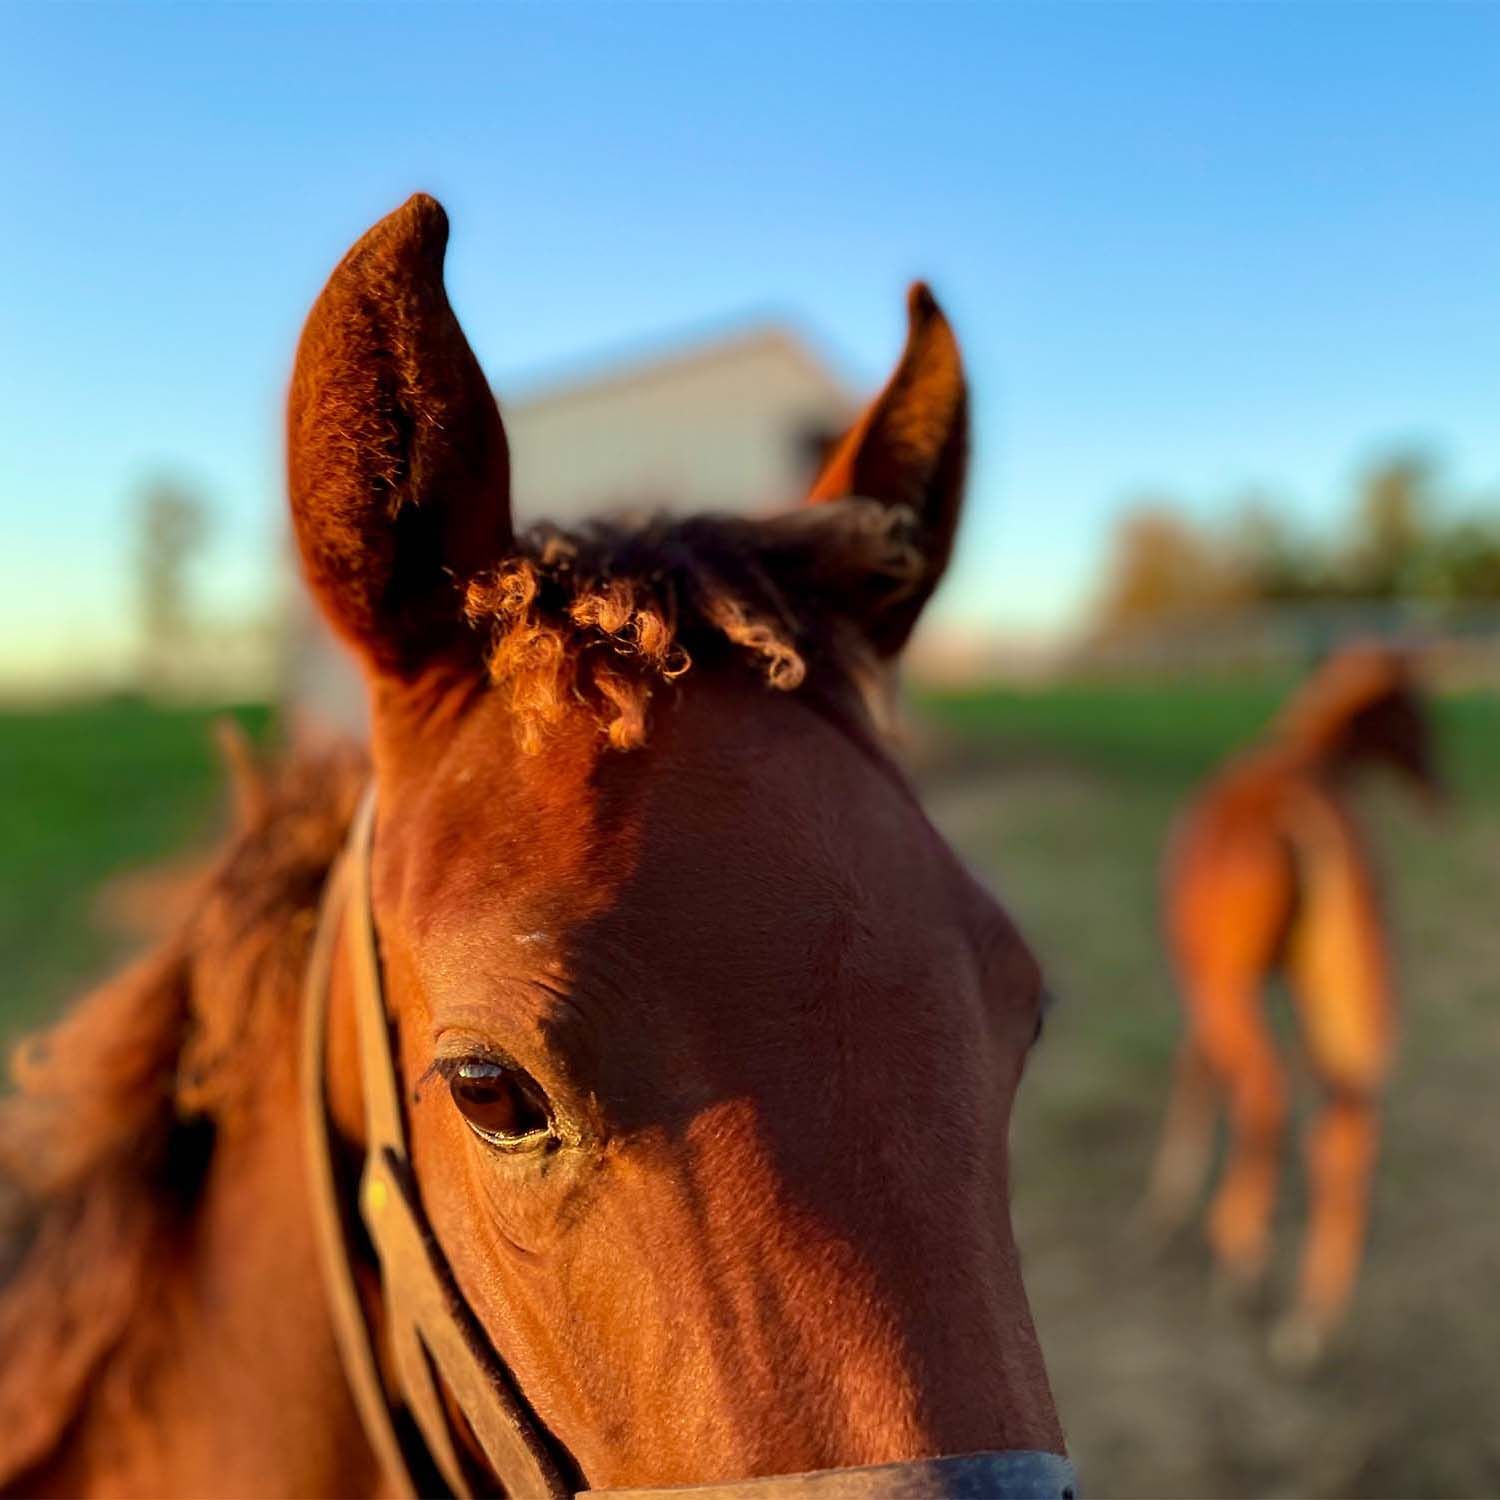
430	1328
431	1333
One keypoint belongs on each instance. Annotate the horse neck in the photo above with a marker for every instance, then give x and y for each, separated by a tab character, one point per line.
1327	755
227	1379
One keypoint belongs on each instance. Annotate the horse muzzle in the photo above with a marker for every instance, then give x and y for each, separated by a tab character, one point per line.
1016	1474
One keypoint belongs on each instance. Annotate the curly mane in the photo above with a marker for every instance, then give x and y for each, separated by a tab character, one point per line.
599	617
106	1137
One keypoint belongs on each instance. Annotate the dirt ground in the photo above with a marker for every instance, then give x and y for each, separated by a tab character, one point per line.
1164	1389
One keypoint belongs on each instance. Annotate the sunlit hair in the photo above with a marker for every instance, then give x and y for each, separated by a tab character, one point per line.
104	1136
598	618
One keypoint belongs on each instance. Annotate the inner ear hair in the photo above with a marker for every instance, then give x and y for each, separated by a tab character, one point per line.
397	459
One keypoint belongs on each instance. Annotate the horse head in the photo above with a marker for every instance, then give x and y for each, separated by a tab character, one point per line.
707	1042
1365	707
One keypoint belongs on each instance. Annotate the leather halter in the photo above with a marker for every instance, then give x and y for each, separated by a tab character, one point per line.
431	1333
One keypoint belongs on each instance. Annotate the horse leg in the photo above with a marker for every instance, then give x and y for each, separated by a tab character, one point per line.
1341	1147
1182	1158
1341	983
1239	1048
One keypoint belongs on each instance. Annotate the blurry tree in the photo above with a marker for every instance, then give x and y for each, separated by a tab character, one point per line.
1270	557
1397	545
1161	566
172	526
1393	525
1462	562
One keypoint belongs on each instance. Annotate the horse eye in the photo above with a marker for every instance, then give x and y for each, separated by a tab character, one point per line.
502	1105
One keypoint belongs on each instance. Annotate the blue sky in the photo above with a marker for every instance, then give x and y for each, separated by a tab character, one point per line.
1189	248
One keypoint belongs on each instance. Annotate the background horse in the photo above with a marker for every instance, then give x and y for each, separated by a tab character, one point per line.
1267	873
706	1042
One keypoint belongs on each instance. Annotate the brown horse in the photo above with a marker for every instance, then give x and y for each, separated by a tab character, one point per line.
1267	873
706	1042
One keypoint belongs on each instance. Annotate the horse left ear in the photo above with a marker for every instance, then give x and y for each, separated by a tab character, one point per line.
910	448
397	459
249	791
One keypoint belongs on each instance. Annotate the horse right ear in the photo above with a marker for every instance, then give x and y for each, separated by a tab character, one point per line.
398	466
909	449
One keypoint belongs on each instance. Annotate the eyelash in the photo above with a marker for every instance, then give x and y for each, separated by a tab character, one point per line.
450	1068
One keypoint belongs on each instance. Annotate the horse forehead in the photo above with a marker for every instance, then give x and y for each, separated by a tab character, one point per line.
721	752
745	810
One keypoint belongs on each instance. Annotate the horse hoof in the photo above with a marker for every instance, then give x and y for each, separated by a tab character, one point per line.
1297	1344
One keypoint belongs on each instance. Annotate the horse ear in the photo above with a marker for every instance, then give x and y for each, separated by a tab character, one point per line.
398	466
250	792
910	448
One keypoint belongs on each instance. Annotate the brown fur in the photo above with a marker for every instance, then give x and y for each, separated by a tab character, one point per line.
108	1101
102	1142
911	446
599	618
386	388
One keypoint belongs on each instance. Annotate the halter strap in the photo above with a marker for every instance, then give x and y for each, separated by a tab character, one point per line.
331	1226
431	1331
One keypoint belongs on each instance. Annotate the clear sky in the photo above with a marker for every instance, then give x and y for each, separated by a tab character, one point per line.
1189	248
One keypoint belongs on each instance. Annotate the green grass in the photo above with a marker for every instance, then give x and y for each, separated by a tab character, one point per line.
1154	732
1174	732
87	792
